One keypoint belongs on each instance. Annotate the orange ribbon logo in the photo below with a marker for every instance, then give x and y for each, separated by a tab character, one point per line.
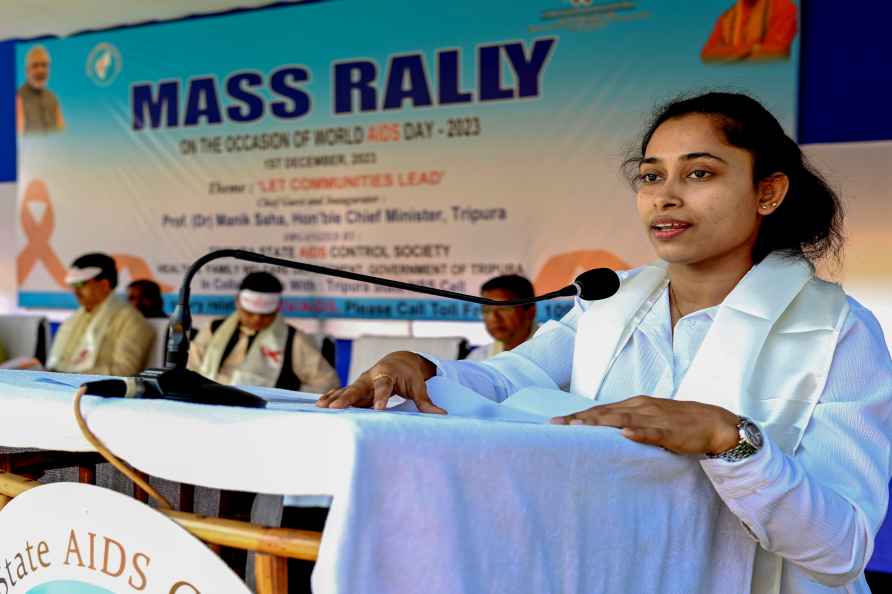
138	269
38	234
38	248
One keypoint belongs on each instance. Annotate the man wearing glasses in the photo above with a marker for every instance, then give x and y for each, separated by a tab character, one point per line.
105	335
509	326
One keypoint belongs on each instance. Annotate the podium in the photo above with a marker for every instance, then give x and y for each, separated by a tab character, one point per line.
487	499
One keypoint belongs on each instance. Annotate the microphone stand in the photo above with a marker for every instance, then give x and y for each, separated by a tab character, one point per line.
175	382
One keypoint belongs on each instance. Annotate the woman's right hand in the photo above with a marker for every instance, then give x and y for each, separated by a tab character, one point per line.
402	373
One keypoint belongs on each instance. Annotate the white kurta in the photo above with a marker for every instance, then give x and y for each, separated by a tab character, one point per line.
817	508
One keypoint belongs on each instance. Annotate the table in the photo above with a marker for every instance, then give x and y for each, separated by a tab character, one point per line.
504	503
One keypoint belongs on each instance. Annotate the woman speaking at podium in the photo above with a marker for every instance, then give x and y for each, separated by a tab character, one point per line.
729	347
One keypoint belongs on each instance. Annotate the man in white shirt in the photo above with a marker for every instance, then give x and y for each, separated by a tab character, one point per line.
509	326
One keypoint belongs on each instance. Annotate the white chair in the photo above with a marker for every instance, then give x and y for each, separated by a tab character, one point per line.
325	344
368	349
156	355
25	336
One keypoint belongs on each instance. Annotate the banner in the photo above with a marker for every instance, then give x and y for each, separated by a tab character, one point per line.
434	143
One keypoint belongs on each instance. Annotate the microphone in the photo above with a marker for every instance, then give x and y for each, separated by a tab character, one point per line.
175	382
595	284
111	388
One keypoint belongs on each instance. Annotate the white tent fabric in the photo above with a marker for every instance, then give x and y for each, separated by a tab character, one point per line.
38	18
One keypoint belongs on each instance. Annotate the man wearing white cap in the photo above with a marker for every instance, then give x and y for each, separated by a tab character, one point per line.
105	335
255	347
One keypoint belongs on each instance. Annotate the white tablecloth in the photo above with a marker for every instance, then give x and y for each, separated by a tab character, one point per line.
426	503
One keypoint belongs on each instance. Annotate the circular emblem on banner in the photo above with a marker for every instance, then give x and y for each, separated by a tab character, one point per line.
70	538
104	64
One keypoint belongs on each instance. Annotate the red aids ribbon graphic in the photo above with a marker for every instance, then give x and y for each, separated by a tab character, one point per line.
81	356
270	354
38	234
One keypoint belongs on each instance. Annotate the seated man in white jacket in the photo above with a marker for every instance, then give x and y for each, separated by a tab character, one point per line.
255	347
105	335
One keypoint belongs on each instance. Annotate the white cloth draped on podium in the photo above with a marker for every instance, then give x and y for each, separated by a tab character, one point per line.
421	503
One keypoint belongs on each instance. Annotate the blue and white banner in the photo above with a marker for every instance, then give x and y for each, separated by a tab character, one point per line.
436	143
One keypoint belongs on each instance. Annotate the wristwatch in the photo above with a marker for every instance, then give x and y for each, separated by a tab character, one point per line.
750	442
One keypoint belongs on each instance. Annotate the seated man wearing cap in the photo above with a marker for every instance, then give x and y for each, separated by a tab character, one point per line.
105	335
510	326
255	347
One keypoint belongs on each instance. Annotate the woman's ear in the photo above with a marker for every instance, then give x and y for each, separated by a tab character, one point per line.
772	191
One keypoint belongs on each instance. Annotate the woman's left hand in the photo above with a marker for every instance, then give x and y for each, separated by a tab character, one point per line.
680	427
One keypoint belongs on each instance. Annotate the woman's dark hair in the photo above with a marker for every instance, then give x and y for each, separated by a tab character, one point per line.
808	223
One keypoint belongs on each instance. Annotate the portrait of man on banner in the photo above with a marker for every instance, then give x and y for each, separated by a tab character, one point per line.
37	107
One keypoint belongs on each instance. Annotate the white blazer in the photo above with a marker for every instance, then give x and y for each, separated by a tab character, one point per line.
751	361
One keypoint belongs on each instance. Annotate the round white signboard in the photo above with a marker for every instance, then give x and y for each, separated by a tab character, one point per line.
82	539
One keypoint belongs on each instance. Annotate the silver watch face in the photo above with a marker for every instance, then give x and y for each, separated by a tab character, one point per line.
751	433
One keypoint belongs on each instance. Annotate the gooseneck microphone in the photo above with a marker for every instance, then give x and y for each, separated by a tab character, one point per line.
175	382
594	284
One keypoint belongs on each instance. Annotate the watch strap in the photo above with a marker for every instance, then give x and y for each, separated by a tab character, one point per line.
744	449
